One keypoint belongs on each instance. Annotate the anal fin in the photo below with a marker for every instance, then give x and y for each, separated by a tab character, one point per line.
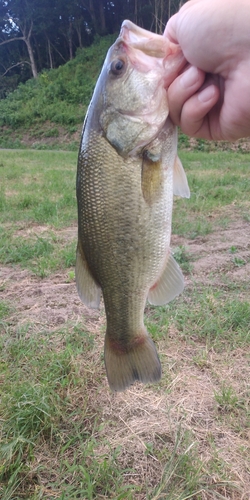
169	285
88	290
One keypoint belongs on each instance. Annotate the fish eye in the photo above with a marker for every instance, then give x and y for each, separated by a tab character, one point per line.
117	67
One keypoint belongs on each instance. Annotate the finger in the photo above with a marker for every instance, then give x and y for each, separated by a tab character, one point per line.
195	114
182	88
170	30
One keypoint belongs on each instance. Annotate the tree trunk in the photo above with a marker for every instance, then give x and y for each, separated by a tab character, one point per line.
26	38
70	40
169	9
37	51
78	26
50	53
136	12
30	51
103	27
93	15
31	56
156	15
161	20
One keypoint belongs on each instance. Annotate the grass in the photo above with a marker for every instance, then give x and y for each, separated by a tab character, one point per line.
37	187
4	309
40	254
213	191
42	412
62	433
46	112
222	317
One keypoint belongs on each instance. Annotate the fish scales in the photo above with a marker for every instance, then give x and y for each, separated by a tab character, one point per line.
120	236
124	229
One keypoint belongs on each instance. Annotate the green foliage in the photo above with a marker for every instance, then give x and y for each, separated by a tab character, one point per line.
238	261
183	140
4	309
60	96
226	398
183	258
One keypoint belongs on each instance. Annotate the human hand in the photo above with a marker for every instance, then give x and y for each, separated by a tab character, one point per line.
212	102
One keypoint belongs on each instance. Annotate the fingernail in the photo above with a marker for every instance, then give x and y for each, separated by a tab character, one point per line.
189	77
206	94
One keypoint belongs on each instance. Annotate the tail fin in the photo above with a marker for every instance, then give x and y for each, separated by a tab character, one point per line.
125	366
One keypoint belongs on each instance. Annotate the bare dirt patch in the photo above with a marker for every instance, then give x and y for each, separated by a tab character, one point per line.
211	256
241	145
45	303
46	135
224	252
145	418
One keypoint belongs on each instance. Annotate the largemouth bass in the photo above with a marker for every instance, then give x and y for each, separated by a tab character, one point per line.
128	171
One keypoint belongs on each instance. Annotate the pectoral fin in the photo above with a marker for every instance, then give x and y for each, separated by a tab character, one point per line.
88	290
168	286
181	187
152	178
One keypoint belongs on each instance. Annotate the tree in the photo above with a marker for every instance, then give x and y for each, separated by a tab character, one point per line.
17	18
38	34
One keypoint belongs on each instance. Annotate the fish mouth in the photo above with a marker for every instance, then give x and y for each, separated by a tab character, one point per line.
158	48
150	43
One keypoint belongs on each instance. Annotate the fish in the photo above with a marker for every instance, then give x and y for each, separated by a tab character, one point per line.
127	173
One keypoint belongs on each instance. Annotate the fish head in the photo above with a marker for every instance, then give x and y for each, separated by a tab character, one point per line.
131	102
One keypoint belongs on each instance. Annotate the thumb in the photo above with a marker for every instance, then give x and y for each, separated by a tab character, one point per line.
170	30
